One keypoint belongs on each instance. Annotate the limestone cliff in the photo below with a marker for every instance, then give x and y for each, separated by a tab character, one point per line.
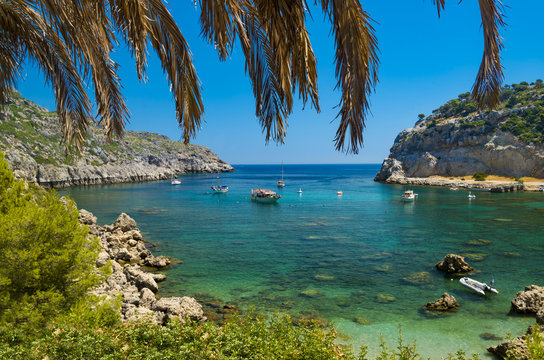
32	142
458	140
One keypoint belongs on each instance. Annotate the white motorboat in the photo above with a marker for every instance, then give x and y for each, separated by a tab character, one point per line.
471	195
299	191
408	196
175	181
477	286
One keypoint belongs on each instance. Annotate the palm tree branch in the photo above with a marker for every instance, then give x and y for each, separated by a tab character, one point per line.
176	59
356	68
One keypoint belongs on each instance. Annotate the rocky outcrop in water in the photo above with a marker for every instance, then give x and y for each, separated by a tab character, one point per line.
446	302
529	301
459	141
32	142
124	248
454	264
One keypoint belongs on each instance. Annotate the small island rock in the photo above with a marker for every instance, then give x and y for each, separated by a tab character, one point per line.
446	302
530	301
454	264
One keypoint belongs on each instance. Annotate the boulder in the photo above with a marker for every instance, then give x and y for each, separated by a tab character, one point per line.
540	317
140	278
147	298
516	348
86	217
180	308
158	262
158	277
124	223
446	303
454	264
530	301
102	259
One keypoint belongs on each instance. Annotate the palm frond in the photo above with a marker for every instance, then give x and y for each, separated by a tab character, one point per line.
176	59
487	87
356	68
440	4
40	42
217	24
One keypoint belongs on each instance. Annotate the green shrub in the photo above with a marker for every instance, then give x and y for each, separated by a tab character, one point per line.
480	176
47	260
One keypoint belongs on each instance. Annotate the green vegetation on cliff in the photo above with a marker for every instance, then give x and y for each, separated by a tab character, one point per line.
35	131
525	100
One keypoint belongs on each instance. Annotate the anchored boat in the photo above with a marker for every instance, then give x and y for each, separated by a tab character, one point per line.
219	189
264	195
477	286
408	196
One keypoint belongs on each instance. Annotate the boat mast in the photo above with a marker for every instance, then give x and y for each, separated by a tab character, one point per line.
282	170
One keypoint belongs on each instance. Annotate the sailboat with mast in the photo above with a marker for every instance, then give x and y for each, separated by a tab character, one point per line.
280	182
219	189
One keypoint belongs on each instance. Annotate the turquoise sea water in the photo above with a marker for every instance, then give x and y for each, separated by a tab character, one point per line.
352	252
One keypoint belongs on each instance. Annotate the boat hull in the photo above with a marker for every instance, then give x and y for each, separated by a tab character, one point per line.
264	200
477	286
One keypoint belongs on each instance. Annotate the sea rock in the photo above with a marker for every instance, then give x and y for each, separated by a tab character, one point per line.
531	300
159	262
86	217
124	223
140	278
516	348
158	277
180	308
454	264
540	317
446	302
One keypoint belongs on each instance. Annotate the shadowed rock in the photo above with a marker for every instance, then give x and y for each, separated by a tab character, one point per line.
446	303
530	301
454	264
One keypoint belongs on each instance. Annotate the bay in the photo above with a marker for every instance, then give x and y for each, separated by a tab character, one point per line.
349	259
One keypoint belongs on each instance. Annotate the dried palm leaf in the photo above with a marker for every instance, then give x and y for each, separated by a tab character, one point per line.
356	68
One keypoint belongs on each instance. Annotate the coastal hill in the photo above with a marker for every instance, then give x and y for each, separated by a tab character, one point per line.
32	142
457	140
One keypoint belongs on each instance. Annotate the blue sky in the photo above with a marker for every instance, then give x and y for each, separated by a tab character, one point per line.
425	61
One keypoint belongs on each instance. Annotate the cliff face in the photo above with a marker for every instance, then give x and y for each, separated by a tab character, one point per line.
459	141
32	142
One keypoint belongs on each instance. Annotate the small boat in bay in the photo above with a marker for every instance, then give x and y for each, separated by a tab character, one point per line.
299	191
264	195
339	193
175	181
219	189
471	195
478	287
454	188
408	196
280	182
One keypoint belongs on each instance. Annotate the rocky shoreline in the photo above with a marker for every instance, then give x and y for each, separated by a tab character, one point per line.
494	186
124	249
32	142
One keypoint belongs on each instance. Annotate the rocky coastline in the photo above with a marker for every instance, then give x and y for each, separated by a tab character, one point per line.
125	251
32	143
458	141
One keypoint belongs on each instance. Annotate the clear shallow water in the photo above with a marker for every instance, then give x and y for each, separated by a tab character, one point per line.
353	250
